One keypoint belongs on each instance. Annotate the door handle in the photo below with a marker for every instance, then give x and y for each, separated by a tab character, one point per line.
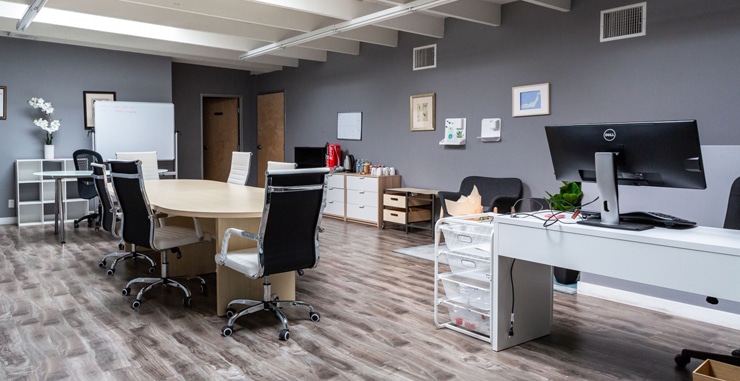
205	148
259	146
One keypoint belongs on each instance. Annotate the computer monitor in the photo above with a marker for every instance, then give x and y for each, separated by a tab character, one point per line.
659	154
310	157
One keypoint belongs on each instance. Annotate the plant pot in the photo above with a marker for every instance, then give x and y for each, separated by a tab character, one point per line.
48	151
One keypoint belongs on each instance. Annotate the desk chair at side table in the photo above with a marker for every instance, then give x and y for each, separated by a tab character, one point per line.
287	240
239	173
141	228
732	221
83	159
149	166
110	219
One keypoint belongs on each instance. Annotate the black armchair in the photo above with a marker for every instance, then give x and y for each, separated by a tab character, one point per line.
496	192
83	159
732	221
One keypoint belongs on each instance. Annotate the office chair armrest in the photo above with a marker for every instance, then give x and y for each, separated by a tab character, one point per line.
227	236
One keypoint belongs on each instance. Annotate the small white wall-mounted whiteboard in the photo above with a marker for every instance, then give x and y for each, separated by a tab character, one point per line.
349	125
134	126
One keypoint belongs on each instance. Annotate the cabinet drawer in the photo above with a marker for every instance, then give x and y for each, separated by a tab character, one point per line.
334	207
399	216
360	197
399	201
335	181
335	194
362	212
362	183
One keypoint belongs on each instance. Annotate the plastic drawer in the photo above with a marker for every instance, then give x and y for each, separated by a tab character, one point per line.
469	319
474	266
470	236
468	291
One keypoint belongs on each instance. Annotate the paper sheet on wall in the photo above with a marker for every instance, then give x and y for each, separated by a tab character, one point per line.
349	125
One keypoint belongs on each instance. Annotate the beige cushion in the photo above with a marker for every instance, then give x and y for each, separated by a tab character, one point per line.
173	236
245	261
466	205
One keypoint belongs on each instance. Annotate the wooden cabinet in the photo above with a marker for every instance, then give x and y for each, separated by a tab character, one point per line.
358	198
35	195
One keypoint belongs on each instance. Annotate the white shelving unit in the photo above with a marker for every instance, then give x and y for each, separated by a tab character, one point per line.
35	195
464	292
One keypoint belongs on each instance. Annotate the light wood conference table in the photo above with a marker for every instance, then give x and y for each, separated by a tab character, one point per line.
218	206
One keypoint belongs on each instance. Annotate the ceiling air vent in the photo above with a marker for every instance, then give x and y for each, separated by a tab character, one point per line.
623	22
425	57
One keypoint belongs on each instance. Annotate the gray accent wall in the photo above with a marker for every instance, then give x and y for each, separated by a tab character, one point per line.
60	74
686	67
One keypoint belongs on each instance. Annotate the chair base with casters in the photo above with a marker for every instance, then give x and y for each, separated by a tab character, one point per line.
122	256
90	218
165	281
268	303
686	355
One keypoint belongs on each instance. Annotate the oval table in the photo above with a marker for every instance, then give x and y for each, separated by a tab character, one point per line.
218	206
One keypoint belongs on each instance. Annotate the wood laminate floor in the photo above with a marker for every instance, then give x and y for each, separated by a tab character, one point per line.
62	318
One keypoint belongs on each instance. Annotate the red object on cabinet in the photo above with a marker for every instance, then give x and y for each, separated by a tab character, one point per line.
333	151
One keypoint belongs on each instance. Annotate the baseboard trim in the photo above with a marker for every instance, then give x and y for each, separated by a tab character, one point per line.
8	221
688	311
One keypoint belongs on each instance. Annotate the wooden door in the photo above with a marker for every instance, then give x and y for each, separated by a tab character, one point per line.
220	136
270	132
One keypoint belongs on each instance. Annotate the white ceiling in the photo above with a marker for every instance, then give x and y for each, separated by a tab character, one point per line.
217	32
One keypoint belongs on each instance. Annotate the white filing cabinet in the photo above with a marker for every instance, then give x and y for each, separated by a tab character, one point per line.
35	196
335	196
462	296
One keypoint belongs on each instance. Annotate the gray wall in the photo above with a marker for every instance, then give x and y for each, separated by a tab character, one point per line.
685	67
59	74
190	83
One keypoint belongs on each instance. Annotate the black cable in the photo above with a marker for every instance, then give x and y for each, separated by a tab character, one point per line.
511	279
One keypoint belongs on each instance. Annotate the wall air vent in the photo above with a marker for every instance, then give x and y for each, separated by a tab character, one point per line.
425	57
623	22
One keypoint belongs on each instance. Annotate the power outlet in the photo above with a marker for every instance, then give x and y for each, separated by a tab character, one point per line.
11	203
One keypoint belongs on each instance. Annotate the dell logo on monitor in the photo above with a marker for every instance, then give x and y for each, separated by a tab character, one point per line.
609	135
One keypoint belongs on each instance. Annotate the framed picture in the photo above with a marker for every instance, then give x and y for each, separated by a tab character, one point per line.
530	100
349	125
90	97
422	112
3	102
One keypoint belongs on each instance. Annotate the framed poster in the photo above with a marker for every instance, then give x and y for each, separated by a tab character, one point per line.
422	112
89	97
530	100
349	125
3	102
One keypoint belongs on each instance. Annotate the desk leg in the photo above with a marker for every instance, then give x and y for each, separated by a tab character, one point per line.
232	284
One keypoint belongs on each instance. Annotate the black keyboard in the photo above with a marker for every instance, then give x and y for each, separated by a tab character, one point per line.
658	219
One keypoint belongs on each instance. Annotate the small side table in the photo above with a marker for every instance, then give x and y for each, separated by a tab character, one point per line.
411	207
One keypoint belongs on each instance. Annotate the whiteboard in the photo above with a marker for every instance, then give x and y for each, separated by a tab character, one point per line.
349	125
134	127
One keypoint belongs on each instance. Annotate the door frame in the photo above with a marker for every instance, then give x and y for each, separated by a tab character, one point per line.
240	127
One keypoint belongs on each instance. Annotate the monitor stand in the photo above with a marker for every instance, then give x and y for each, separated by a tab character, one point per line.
606	182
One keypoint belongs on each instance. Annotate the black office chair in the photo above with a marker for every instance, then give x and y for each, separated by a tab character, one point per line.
732	221
287	240
141	228
110	218
496	193
83	158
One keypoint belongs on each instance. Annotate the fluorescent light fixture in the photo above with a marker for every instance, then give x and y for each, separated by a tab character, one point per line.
31	13
359	22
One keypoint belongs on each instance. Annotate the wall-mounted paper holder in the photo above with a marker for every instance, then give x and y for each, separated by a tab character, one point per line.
454	132
490	130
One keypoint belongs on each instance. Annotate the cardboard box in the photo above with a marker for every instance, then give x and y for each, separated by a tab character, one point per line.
711	370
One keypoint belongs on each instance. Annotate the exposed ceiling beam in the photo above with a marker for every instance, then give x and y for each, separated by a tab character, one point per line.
33	9
558	5
476	11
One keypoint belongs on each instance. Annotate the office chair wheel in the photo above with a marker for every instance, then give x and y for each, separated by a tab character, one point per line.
89	224
736	352
101	264
121	246
682	360
203	288
187	301
284	335
176	250
76	224
126	291
230	312
152	270
136	304
227	331
314	316
111	271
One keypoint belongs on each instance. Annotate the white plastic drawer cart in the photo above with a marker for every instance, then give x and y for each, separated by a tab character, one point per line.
462	290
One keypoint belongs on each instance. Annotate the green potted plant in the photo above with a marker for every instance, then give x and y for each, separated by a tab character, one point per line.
567	200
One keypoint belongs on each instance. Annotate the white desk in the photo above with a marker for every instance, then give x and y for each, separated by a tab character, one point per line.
59	212
701	260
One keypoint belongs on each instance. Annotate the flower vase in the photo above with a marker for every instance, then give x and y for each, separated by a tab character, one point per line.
48	151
